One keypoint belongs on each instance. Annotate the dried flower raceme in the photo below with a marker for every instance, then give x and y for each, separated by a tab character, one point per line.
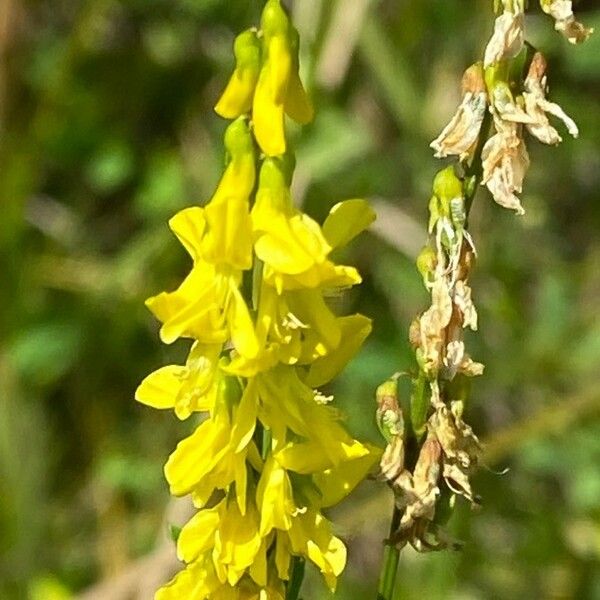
565	22
431	451
450	450
270	453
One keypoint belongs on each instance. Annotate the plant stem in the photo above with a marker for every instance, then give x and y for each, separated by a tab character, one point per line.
474	170
391	557
295	583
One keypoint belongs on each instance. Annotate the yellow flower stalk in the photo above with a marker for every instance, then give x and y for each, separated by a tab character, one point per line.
269	453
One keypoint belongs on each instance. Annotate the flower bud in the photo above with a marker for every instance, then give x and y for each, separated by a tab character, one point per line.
237	97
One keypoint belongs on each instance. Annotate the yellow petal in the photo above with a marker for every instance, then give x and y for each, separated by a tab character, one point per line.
310	308
354	331
243	335
274	497
268	117
189	225
229	239
160	388
336	483
195	456
197	535
297	104
283	556
346	220
244	421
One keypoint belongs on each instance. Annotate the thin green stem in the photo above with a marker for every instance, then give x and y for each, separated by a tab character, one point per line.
391	558
296	578
474	171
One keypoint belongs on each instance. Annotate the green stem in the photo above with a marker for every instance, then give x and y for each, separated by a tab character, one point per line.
391	558
295	583
474	171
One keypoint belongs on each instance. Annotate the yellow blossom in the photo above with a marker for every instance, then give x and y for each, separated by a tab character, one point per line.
186	389
279	87
237	97
215	455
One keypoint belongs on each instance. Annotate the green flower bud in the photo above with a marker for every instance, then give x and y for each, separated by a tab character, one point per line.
238	139
426	262
273	175
274	20
390	420
446	185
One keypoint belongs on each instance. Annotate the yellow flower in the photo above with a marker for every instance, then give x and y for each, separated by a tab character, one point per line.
237	542
228	240
237	97
311	536
287	404
279	88
275	498
291	244
198	581
208	305
215	455
187	389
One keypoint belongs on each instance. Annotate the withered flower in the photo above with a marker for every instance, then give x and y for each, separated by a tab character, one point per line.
432	325
508	38
461	133
536	105
460	447
565	22
505	162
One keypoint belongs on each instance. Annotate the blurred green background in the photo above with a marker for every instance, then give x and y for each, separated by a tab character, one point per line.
107	129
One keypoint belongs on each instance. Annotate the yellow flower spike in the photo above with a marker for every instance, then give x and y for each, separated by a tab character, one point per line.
274	497
272	86
237	97
187	389
297	104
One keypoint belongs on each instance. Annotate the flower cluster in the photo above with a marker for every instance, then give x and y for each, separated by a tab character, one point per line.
495	94
516	104
268	454
450	450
